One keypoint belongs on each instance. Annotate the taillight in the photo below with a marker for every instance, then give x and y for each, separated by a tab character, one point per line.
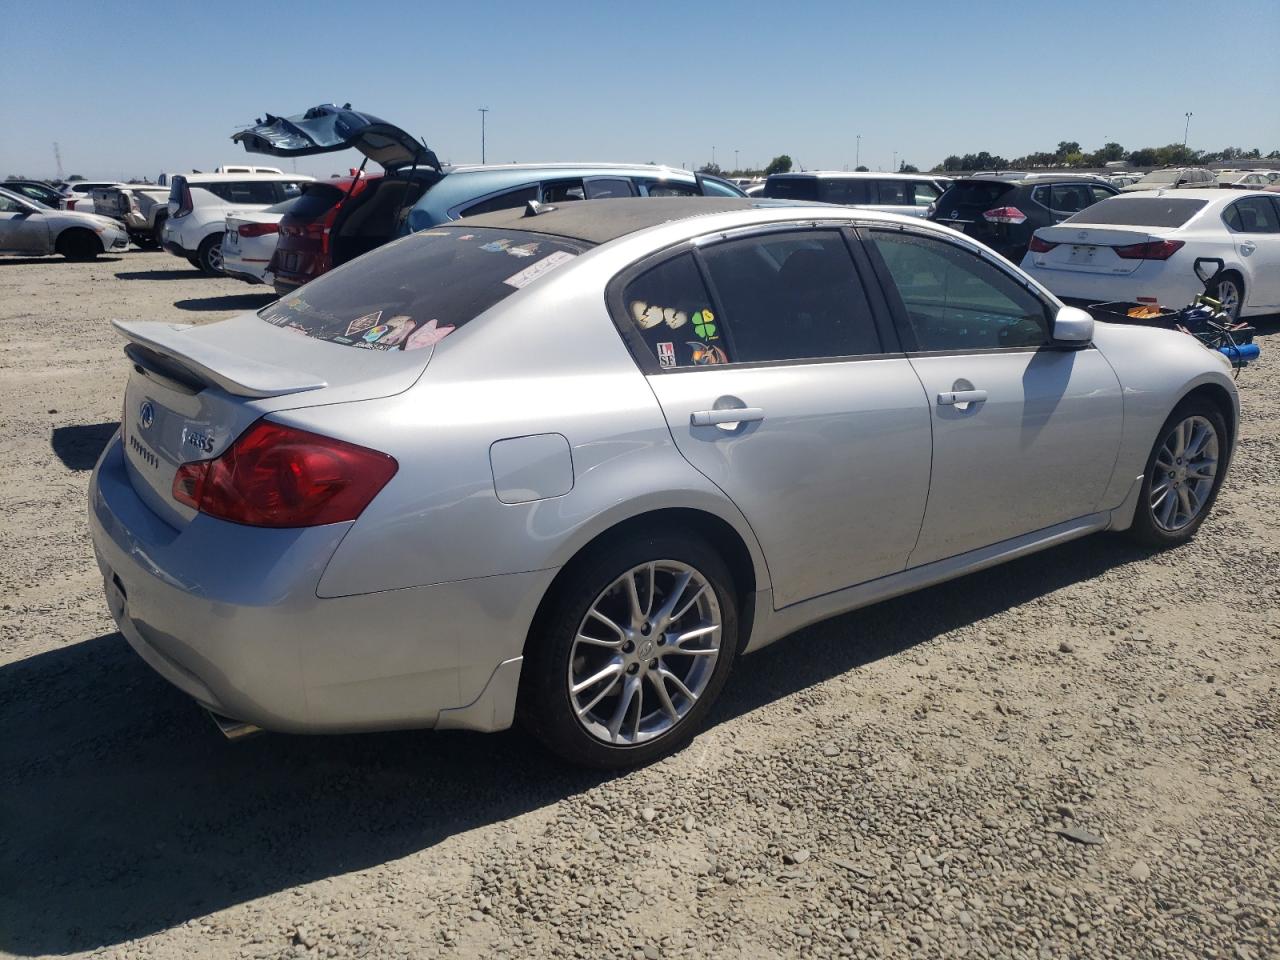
257	229
185	203
71	204
278	476
1155	250
1005	215
1040	246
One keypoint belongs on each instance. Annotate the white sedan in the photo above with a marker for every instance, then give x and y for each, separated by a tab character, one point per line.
28	228
1143	246
249	241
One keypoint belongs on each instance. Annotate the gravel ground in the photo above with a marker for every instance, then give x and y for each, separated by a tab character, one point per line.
1074	755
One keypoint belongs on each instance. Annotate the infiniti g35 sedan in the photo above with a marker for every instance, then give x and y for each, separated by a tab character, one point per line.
568	465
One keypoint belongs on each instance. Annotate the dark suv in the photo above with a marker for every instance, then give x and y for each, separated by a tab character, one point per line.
1003	210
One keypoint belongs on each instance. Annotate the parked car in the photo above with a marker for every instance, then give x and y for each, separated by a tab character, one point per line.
1241	180
1003	210
303	246
29	228
43	193
249	241
1175	178
1123	180
905	193
78	194
417	192
245	168
1142	248
545	464
141	207
199	203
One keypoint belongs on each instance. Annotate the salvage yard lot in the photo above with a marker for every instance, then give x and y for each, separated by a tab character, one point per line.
1076	754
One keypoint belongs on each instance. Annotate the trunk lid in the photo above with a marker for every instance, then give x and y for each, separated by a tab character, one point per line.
1087	249
328	128
110	202
193	389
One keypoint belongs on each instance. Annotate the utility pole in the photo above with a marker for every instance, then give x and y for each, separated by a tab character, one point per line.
713	154
483	111
1185	130
735	161
895	162
857	157
57	155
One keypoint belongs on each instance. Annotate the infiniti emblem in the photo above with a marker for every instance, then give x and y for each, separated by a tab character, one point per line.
147	415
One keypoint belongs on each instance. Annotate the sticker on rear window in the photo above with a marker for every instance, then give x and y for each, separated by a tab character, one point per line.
361	324
666	355
647	315
427	335
533	272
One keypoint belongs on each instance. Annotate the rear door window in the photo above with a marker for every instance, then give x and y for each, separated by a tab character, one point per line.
1252	215
791	295
244	191
923	194
893	193
968	194
846	190
507	200
418	290
559	191
669	188
791	188
607	188
670	309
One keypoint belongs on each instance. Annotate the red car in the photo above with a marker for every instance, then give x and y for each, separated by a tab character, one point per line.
303	252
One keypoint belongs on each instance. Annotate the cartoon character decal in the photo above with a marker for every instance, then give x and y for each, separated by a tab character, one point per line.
496	246
427	335
705	354
398	329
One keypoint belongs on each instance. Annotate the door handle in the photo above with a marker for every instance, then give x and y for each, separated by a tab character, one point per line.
1247	248
710	418
952	397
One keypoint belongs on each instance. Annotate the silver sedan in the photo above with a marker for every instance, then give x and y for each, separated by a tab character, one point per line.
569	465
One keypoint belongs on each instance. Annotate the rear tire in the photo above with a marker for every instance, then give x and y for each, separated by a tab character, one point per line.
1173	482
209	256
667	693
1229	291
79	245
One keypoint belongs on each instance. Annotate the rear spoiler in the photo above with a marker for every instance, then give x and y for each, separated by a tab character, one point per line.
211	364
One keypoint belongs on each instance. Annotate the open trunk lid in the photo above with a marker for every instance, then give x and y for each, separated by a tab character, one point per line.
328	128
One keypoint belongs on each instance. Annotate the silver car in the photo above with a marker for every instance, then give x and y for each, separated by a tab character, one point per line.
569	464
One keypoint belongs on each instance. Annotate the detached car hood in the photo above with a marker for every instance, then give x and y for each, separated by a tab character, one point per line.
327	128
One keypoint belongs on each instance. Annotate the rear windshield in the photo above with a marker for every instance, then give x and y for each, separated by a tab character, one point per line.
1161	176
791	188
317	199
972	193
416	291
1140	212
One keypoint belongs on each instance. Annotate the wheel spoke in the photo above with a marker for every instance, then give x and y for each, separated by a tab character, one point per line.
635	729
1184	505
664	698
629	686
633	599
597	641
666	674
663	615
675	617
693	634
604	692
1167	506
596	614
611	670
1204	470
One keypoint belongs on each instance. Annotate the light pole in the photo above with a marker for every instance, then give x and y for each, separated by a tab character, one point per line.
895	162
1185	130
735	161
713	154
857	156
483	111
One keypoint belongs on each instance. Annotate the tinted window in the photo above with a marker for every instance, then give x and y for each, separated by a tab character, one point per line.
503	201
954	300
1070	197
895	192
10	206
561	190
791	296
847	190
1100	193
924	193
1254	215
1141	211
418	290
670	308
791	188
243	191
712	187
317	200
604	188
670	188
972	193
290	189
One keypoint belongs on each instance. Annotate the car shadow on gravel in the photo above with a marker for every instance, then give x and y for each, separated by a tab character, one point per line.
126	813
78	446
238	301
192	274
36	261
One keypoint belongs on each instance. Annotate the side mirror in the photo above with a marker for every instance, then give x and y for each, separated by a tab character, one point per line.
1073	327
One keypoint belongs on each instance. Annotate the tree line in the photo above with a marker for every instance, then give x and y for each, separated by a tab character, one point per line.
1069	154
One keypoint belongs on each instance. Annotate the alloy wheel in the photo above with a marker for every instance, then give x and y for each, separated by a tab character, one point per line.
1228	294
1185	468
644	653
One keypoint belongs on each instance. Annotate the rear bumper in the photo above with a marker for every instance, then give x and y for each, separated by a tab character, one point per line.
229	615
1153	279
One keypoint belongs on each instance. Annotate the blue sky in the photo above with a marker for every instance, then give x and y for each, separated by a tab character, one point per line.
137	88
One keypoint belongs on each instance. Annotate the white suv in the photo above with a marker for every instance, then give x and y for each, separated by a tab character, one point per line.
199	204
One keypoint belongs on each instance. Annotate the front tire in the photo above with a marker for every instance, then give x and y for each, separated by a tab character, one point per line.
209	256
79	245
1184	473
631	652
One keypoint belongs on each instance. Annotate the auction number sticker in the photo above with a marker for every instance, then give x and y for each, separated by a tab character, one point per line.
532	273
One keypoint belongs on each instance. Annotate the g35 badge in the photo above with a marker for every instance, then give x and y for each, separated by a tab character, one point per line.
201	441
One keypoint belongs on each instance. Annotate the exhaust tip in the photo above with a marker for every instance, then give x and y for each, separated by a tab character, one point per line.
234	729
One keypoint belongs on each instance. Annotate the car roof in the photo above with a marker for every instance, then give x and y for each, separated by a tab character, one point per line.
852	175
567	165
599	221
1029	178
198	178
